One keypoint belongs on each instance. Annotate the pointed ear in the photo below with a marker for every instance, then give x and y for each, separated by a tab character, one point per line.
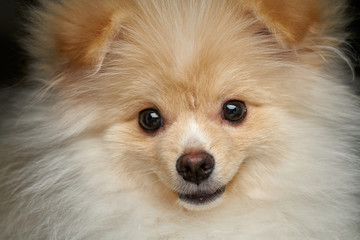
289	20
84	43
76	34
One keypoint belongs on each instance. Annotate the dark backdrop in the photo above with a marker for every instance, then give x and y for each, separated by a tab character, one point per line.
13	60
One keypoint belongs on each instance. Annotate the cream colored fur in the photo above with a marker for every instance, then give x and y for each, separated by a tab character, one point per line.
76	165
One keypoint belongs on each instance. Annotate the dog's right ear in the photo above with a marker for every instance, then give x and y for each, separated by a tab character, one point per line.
75	34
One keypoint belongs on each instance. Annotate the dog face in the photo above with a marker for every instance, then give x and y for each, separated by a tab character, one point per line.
196	111
188	93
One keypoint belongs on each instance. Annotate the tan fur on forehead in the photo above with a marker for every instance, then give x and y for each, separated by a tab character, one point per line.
186	37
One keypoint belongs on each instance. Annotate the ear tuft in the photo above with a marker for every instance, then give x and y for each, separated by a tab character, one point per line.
289	20
85	43
75	34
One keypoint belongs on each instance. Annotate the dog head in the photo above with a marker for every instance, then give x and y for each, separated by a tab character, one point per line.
190	94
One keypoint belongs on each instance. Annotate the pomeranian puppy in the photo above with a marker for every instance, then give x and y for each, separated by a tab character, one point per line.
188	119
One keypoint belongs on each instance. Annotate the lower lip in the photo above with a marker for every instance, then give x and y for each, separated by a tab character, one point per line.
201	198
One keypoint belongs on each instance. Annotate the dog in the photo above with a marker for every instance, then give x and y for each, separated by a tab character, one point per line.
191	119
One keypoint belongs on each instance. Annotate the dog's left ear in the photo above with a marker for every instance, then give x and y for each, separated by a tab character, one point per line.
290	21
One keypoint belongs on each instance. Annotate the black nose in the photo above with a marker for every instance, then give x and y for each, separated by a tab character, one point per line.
195	167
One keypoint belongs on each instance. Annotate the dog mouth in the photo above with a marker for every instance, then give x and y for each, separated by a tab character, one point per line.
202	197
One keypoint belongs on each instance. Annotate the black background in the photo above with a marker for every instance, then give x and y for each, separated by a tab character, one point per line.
14	61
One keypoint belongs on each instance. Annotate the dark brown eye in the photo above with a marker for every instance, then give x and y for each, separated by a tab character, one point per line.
150	120
234	111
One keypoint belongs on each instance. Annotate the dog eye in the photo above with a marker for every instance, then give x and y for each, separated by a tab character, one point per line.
234	111
150	120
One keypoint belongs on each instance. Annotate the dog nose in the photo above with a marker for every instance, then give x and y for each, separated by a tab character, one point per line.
195	167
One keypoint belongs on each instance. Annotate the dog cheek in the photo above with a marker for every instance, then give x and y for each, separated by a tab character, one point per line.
244	143
131	154
265	144
228	155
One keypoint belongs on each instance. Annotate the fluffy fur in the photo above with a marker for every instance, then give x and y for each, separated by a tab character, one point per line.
76	165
